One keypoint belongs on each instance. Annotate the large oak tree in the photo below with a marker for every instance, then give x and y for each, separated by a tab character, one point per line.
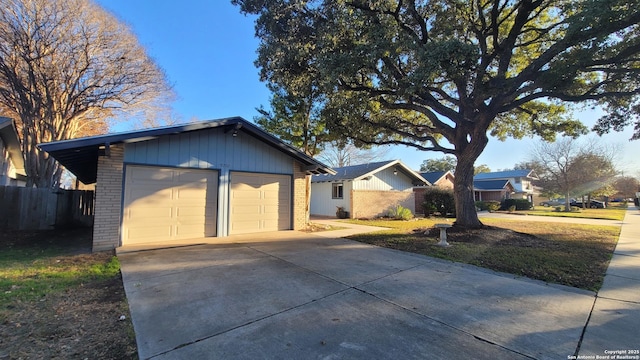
443	75
66	66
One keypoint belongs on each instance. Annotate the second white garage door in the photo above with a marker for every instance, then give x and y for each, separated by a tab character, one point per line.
163	204
259	202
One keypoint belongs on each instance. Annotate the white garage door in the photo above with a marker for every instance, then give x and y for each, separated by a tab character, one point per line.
259	202
167	204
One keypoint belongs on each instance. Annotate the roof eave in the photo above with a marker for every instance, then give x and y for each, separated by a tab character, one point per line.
85	166
9	135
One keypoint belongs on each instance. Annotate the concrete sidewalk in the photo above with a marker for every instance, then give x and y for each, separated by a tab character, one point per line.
615	320
349	229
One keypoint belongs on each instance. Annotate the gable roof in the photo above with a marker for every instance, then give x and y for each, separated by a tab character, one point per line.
9	136
359	172
80	156
491	185
526	173
435	176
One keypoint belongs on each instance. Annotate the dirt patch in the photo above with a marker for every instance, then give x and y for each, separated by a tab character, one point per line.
486	235
89	321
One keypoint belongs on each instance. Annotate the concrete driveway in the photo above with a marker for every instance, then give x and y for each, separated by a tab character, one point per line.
299	296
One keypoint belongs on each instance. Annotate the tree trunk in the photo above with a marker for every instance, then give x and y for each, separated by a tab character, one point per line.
467	153
466	214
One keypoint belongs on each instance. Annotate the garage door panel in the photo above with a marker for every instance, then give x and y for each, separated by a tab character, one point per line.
259	202
244	192
189	230
164	204
248	226
153	213
193	193
147	193
152	174
150	233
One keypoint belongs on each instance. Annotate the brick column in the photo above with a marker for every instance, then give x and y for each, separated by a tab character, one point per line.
106	224
299	196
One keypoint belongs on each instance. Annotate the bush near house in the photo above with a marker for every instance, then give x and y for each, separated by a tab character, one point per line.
520	204
490	206
400	213
437	200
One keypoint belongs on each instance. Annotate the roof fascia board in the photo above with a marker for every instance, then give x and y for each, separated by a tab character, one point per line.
377	170
9	135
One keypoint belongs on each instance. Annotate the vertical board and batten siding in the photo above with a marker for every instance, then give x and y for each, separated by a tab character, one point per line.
385	180
212	149
321	198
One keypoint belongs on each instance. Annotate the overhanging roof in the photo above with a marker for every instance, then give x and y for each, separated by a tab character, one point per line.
80	156
11	142
491	185
435	176
359	172
508	174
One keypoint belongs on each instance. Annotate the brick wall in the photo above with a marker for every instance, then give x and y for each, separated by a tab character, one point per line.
106	226
418	194
371	203
299	196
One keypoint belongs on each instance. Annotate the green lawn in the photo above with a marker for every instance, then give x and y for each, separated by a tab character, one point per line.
31	271
615	211
568	254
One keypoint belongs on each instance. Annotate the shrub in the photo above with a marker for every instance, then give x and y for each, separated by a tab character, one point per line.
400	213
490	205
429	209
440	201
493	205
558	209
511	208
520	204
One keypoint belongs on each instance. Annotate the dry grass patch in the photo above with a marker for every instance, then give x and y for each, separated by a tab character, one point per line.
568	254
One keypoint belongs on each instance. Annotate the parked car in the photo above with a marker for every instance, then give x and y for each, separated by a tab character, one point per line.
595	204
553	202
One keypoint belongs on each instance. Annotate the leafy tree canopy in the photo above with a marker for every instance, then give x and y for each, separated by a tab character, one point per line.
448	163
444	74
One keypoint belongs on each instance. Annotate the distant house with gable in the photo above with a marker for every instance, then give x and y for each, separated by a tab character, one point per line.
366	190
486	185
12	171
441	179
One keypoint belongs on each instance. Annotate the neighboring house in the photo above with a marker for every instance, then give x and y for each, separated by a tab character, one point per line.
208	179
12	172
441	179
521	180
366	190
492	190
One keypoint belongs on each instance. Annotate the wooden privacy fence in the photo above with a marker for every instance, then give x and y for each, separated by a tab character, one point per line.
44	209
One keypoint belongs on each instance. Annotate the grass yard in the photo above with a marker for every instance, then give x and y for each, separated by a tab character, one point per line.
615	211
58	300
568	254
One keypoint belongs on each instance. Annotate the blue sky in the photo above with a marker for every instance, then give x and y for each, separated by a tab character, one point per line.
207	50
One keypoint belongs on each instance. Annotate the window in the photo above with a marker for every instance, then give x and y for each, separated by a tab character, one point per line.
336	192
